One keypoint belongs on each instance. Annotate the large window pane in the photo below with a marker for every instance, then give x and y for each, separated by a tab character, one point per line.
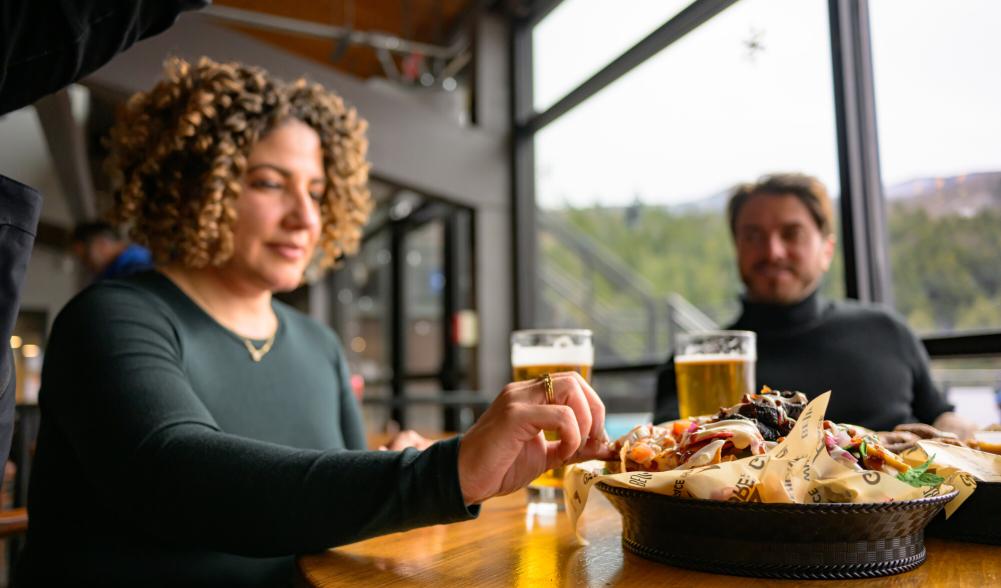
577	39
973	385
632	184
425	288
938	99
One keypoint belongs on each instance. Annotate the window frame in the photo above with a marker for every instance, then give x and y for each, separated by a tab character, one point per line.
867	275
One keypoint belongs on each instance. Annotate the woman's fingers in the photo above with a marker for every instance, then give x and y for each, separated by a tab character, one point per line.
597	407
554	417
572	390
506	448
568	392
595	449
405	439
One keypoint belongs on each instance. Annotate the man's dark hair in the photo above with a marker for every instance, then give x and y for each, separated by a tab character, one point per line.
87	232
808	189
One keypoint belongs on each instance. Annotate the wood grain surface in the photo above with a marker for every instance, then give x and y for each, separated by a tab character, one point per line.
509	546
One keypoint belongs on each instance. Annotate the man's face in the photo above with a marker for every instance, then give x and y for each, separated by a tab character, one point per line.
781	252
96	254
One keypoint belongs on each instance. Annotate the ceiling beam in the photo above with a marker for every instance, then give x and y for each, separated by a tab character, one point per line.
68	149
284	24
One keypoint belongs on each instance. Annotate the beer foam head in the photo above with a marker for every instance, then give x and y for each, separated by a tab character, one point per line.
578	355
715	357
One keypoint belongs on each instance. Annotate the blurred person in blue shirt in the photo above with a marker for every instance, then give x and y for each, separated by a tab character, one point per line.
105	254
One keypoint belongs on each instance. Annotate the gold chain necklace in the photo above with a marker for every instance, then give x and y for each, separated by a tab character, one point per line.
257	354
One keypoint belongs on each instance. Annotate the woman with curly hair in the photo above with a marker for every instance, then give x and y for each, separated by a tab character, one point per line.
195	431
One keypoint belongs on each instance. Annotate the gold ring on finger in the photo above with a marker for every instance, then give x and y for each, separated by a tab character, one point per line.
550	393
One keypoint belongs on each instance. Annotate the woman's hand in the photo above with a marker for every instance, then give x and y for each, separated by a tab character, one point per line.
405	439
505	449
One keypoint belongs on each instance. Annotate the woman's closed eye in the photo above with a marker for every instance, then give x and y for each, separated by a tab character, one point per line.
262	184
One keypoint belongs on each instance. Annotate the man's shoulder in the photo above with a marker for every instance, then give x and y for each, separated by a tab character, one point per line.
867	315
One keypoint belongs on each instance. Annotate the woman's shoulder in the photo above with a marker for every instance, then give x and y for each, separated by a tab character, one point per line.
305	328
140	296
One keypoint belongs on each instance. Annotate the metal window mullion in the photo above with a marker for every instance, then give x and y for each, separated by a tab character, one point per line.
863	226
541	10
681	24
524	251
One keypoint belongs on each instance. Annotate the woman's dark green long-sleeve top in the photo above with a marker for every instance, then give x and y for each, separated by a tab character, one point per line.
167	455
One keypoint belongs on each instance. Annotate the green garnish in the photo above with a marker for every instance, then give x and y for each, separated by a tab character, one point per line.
920	476
862	449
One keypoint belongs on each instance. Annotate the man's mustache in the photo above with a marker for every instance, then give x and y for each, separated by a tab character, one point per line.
766	265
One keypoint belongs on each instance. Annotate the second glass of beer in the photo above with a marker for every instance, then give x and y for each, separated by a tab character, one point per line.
714	369
549	351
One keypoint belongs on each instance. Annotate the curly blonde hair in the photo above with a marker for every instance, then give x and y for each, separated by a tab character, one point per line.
178	152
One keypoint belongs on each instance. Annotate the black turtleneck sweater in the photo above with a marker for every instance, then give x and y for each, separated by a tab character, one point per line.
874	365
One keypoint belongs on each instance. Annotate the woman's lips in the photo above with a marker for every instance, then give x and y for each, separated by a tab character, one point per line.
289	252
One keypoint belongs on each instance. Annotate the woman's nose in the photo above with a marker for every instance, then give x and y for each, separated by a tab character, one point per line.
305	210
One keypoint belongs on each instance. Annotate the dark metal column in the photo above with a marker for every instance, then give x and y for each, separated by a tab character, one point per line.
863	226
398	320
450	369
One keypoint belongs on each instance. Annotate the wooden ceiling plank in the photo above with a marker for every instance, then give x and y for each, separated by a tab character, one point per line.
375	16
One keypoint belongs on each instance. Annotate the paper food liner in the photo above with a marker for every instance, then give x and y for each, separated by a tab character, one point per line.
797	470
960	466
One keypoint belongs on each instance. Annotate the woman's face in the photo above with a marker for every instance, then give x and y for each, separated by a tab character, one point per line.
278	211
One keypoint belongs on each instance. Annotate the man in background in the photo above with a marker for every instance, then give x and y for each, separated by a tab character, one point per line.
46	45
105	254
876	368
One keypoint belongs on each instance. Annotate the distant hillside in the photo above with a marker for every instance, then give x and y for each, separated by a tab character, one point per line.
715	203
964	195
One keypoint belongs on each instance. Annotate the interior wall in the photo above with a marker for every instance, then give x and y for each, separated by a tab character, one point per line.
52	279
26	159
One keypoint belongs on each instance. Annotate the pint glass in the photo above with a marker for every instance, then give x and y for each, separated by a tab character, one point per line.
714	369
541	351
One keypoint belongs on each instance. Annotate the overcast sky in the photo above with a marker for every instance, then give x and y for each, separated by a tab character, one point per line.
750	92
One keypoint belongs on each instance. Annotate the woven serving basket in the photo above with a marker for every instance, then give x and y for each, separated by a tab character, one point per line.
806	541
978	520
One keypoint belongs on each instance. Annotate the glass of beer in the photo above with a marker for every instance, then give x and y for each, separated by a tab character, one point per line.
714	369
540	351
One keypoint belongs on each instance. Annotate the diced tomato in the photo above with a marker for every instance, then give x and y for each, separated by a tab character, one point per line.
641	453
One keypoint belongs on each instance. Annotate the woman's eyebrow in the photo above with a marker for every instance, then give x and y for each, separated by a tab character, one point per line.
272	166
284	172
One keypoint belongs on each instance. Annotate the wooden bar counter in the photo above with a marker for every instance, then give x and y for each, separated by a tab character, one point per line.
508	546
